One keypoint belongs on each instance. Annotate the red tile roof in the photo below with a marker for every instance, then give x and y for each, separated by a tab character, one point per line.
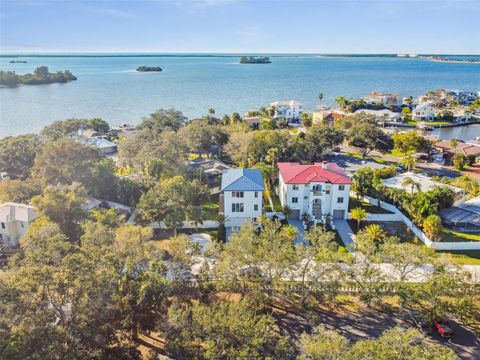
294	173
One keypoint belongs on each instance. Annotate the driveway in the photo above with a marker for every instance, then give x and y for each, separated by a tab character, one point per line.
298	224
344	230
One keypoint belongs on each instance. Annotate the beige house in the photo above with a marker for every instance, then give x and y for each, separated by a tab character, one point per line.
15	219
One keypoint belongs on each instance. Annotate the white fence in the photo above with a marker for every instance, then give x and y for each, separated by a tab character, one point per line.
466	245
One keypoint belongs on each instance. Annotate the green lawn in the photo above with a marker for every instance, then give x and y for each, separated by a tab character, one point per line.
211	208
452	236
413	122
276	203
466	257
372	209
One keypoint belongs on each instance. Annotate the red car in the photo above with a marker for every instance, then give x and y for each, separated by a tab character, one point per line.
443	329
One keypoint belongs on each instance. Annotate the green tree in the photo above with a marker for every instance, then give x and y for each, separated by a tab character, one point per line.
432	225
320	139
162	120
65	162
306	120
224	330
64	205
375	232
363	181
367	137
407	113
460	161
17	154
358	214
409	162
323	344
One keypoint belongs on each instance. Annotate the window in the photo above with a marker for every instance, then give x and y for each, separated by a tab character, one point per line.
237	194
341	187
327	192
256	194
295	187
305	197
294	200
3	225
255	207
237	207
340	200
22	225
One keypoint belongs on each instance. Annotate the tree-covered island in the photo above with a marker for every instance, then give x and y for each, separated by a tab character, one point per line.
149	68
255	60
41	75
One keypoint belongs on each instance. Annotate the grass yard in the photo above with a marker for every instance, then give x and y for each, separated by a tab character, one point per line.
414	122
211	208
276	203
453	236
372	209
465	257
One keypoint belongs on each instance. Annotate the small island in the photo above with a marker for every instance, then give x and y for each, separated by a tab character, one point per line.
254	60
149	68
451	59
18	62
41	75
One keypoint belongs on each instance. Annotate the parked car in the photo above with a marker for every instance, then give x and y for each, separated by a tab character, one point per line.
443	329
419	322
400	168
438	158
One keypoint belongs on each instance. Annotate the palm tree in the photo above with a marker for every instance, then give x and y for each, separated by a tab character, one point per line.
211	112
263	110
468	184
320	97
341	102
375	232
306	120
454	144
409	162
358	214
409	182
287	211
196	215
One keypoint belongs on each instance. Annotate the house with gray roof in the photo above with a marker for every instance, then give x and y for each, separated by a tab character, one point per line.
241	197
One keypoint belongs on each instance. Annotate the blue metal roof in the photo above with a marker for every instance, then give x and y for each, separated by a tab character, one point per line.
242	180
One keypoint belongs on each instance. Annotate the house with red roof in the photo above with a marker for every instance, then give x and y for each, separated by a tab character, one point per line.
320	190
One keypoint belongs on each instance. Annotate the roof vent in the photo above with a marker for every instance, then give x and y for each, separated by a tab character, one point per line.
324	165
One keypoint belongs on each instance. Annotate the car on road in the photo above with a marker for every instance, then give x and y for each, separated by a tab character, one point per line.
442	328
419	322
438	158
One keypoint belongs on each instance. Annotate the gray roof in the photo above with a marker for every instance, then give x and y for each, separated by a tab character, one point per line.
242	180
467	212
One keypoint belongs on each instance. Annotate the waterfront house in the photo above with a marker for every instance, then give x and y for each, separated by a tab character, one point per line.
288	109
423	112
106	147
445	147
383	115
241	197
426	183
381	99
320	190
463	97
15	219
253	121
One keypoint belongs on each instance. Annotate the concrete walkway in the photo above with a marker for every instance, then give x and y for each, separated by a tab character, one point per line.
344	231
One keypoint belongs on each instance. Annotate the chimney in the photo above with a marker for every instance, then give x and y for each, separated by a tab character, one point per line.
324	165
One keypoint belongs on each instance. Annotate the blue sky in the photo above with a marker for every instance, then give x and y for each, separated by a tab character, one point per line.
268	26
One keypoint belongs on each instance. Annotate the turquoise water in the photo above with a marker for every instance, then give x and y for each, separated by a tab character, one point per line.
110	88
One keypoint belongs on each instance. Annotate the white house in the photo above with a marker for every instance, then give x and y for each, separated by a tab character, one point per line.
15	219
241	196
320	190
288	109
382	115
383	99
424	112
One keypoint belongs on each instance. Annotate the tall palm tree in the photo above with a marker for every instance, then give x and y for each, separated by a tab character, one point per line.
468	184
358	214
409	162
409	182
341	102
454	144
375	232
